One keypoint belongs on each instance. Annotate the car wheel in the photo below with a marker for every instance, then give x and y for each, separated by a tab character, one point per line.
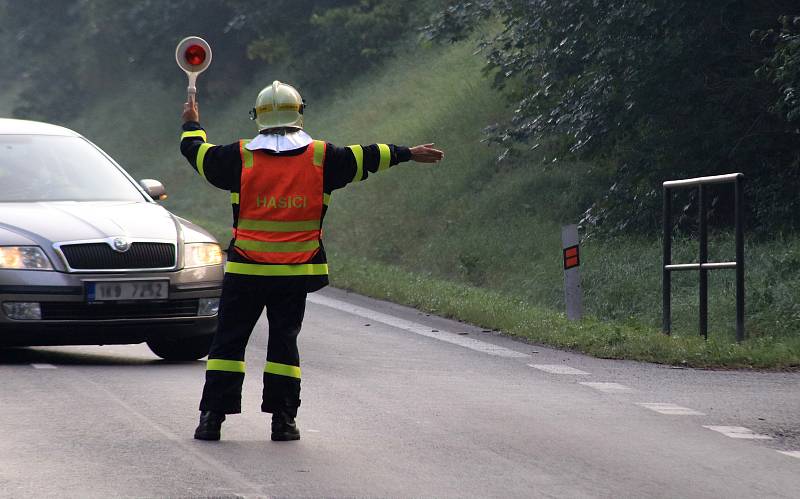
191	348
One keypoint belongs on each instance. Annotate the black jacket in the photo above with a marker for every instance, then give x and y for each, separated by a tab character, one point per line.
222	167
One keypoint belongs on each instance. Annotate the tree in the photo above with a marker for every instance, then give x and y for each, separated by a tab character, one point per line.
326	46
85	51
648	91
782	67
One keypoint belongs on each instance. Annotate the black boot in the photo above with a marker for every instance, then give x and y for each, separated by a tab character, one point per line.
284	428
209	427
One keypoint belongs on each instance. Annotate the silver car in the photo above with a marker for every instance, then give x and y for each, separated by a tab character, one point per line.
87	256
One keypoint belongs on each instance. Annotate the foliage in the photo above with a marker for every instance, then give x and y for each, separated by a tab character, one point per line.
648	91
782	66
328	46
92	47
32	45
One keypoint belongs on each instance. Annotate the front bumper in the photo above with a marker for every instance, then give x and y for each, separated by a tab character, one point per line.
69	319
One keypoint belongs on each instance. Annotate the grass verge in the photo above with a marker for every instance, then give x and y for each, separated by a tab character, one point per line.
514	316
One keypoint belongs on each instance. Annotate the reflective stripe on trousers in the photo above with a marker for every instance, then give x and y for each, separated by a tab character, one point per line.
241	306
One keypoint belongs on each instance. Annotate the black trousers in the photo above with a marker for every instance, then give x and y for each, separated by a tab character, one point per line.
242	302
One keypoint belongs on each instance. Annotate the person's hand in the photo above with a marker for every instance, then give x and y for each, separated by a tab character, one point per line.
425	153
190	110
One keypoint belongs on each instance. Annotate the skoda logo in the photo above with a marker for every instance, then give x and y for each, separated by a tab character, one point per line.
121	244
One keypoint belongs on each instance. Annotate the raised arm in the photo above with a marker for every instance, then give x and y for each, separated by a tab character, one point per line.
219	165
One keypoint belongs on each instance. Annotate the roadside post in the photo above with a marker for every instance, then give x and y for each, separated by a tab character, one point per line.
193	55
571	254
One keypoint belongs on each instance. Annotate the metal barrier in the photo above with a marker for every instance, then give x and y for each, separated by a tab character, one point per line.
703	265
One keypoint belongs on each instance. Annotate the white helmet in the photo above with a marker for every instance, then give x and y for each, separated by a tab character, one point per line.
278	105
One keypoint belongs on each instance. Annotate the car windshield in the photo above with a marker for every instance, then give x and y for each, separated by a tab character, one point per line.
54	168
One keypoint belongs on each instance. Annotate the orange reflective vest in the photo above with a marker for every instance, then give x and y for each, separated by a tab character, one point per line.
280	206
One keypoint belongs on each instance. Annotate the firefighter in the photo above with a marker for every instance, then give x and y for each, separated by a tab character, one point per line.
281	183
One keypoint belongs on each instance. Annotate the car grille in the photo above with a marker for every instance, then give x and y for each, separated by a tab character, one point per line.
100	256
78	311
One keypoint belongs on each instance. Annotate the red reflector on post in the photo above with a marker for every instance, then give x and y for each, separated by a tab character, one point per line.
571	257
195	55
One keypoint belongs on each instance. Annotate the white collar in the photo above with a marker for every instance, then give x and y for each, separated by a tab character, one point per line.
279	143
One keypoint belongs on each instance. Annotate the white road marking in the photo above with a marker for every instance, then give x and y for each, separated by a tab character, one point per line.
416	328
43	366
793	453
312	431
557	369
670	409
607	387
738	432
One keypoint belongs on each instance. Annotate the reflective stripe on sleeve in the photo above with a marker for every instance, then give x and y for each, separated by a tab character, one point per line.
234	198
326	199
282	370
201	156
358	153
231	366
195	133
277	270
319	152
277	225
386	157
277	247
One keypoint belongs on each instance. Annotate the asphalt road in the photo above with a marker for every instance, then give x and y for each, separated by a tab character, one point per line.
397	404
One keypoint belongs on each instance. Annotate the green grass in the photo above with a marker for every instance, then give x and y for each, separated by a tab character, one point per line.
606	339
474	232
471	238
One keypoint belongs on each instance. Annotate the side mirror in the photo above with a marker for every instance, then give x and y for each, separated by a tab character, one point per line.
154	189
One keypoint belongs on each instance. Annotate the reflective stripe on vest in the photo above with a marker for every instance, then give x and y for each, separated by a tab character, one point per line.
278	225
280	208
246	154
276	270
281	247
319	152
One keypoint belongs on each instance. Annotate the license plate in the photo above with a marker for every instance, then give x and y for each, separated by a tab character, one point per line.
127	290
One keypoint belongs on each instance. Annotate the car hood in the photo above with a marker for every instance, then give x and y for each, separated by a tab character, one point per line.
53	222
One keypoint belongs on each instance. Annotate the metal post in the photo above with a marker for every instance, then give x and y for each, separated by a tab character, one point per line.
703	266
666	284
739	215
703	204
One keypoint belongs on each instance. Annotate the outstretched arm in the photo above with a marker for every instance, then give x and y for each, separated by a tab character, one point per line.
345	165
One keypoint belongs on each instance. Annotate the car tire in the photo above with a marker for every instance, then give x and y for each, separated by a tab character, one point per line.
190	348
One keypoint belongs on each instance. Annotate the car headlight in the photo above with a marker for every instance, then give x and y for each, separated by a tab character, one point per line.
24	258
202	254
